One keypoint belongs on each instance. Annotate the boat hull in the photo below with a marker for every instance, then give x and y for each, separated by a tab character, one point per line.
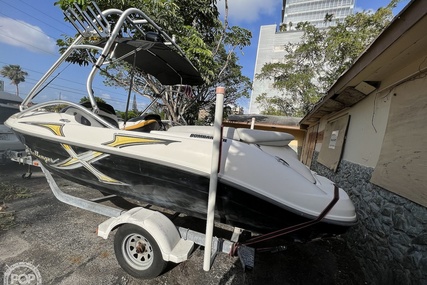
169	187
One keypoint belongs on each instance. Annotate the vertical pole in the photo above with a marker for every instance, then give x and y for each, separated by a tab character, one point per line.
253	123
217	137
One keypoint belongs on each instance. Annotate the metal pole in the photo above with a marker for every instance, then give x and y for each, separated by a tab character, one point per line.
252	123
217	136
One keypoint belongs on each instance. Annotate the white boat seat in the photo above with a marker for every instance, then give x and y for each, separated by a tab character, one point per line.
264	137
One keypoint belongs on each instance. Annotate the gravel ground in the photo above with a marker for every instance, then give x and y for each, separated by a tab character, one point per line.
61	240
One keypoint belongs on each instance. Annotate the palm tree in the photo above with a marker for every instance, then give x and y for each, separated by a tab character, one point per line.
15	74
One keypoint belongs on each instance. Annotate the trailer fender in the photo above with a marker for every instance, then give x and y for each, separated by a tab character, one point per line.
172	246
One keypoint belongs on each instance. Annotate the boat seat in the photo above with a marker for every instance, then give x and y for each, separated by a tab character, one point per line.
264	137
106	112
145	123
143	126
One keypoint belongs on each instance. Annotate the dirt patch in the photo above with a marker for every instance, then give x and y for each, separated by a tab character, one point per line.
61	239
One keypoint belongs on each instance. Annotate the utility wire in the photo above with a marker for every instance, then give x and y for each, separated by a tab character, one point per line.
28	25
47	15
70	89
59	78
45	51
29	15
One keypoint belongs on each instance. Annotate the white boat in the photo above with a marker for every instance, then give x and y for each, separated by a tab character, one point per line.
262	186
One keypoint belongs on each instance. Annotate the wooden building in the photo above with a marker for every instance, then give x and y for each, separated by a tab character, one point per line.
369	135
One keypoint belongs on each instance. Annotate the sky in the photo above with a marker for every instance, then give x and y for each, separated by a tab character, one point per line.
29	30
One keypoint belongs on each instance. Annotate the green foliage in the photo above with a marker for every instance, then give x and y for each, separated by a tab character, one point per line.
346	41
15	74
131	114
78	56
311	66
209	117
64	4
275	105
207	42
56	108
86	99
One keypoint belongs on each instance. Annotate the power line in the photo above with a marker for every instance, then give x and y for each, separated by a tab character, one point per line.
45	51
47	15
76	91
73	92
28	25
29	15
61	78
70	89
32	27
56	86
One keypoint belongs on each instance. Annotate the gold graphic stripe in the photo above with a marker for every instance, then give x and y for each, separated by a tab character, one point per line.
106	179
101	176
121	141
66	147
79	160
55	128
69	162
74	159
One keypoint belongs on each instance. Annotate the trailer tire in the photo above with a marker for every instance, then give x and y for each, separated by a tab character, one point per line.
137	252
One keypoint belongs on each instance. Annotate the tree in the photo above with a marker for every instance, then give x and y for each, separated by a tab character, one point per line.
209	44
86	99
276	105
15	74
311	66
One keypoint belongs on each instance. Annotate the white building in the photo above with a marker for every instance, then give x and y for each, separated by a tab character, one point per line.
271	41
314	11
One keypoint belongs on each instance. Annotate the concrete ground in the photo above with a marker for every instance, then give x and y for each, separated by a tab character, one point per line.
61	241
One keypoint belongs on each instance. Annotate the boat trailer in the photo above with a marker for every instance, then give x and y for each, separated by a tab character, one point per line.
23	157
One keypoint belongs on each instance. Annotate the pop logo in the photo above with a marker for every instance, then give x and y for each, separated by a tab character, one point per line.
22	273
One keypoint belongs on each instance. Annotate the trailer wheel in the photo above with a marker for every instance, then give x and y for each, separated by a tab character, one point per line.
138	252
